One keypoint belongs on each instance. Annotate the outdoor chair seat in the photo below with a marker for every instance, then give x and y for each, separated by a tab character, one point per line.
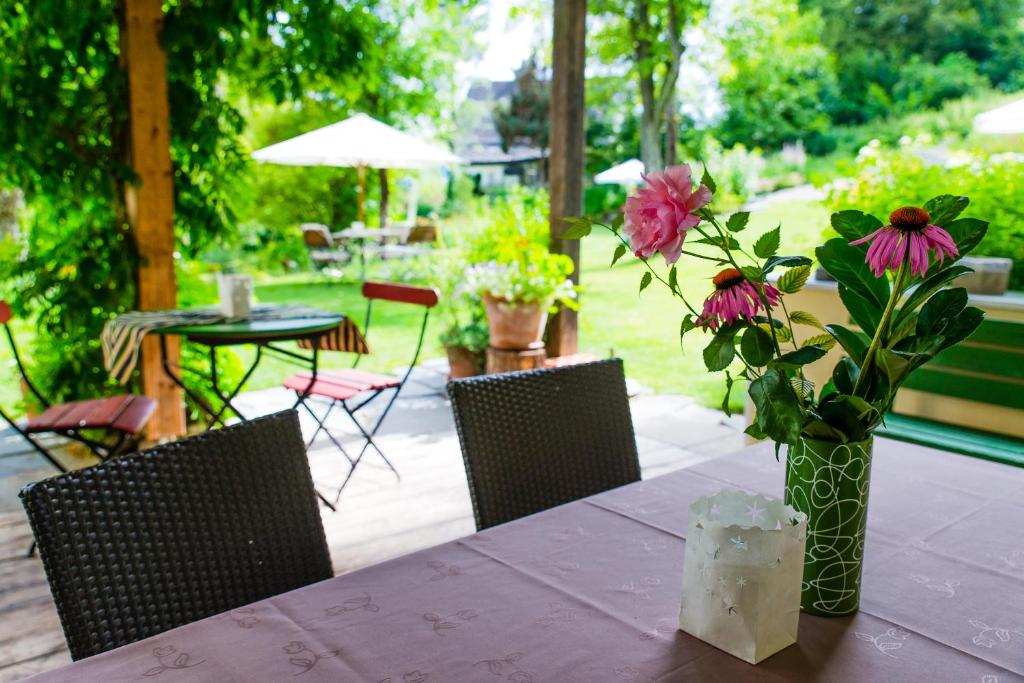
127	414
340	385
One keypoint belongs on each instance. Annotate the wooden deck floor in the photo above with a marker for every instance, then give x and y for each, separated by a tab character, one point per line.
379	516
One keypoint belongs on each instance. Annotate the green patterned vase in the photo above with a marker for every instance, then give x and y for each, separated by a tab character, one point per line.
829	483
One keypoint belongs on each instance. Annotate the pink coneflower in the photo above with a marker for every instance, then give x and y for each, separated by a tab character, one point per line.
908	235
734	297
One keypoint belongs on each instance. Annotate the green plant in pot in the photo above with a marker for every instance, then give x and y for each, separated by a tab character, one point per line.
519	292
893	279
466	346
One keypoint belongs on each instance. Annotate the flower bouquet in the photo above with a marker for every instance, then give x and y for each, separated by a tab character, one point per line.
893	280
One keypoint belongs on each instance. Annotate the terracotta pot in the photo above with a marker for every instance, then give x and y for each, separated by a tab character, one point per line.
515	325
462	362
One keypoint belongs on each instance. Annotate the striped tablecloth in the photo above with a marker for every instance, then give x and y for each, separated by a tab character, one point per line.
122	337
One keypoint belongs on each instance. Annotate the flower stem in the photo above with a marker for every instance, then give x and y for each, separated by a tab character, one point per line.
659	278
883	324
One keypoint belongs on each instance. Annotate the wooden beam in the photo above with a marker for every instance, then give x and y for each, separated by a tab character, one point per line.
565	169
150	202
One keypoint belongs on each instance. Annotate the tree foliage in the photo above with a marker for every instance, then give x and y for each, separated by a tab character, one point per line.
63	140
525	117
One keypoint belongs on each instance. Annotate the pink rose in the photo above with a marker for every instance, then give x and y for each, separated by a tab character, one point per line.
658	215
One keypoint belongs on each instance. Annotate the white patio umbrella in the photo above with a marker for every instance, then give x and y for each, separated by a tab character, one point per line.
627	173
1005	120
361	142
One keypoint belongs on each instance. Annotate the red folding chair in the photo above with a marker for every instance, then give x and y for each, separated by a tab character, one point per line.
113	423
354	389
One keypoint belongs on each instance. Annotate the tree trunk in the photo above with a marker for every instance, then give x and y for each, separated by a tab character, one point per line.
650	142
671	132
385	195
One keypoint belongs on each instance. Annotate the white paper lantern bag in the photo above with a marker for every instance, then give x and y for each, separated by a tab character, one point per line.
235	295
742	573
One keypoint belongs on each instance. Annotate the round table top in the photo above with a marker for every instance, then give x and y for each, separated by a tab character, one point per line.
267	329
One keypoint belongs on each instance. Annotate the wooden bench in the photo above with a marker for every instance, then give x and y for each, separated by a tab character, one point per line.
987	368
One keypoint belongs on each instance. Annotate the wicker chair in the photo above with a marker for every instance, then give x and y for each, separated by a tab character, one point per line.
151	541
536	439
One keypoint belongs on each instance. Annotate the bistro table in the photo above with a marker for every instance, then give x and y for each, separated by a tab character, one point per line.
590	592
262	334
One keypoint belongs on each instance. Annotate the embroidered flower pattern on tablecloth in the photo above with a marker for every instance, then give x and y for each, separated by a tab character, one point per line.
304	658
507	667
168	658
443	570
664	627
244	617
642	588
990	636
947	587
359	603
560	614
415	676
886	642
450	622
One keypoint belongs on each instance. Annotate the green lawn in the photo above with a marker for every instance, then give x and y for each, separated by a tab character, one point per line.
642	329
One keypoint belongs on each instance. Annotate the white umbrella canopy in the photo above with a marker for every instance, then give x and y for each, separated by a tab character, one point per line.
357	141
1005	120
627	173
361	142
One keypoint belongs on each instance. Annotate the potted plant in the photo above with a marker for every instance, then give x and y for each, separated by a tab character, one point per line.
894	280
466	346
518	293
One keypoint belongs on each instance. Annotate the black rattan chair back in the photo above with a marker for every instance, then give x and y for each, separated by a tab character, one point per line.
151	541
536	439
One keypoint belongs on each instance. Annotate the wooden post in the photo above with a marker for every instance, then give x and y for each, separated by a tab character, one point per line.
565	170
150	202
362	195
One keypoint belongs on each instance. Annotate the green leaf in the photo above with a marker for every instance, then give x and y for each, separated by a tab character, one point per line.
845	415
967	233
685	326
944	208
707	181
579	227
620	251
895	365
818	429
728	242
673	279
939	310
928	287
804	388
753	430
729	381
617	222
853	224
768	243
800	357
793	280
825	341
751	273
851	342
805	318
786	262
779	414
845	374
756	346
645	280
720	352
864	313
847	265
963	326
737	221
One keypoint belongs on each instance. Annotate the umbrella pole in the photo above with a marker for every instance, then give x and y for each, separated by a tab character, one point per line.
362	194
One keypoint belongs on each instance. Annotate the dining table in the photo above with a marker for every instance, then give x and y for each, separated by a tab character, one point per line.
590	591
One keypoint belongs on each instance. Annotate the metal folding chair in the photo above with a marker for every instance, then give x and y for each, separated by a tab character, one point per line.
353	389
107	426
